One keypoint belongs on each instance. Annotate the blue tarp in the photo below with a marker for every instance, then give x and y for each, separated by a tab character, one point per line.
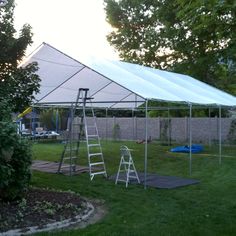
196	148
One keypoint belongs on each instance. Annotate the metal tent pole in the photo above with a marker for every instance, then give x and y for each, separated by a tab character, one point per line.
33	122
169	128
209	123
57	120
220	141
133	123
71	135
106	122
146	146
190	139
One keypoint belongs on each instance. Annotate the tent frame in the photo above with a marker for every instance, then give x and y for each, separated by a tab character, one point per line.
190	107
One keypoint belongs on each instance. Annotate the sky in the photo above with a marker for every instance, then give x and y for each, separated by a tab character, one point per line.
76	27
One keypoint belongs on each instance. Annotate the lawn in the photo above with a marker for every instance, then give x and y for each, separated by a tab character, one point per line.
208	208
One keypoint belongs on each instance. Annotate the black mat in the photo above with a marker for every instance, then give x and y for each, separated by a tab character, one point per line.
160	181
52	167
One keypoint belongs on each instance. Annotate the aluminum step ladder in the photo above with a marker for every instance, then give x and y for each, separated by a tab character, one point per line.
94	148
126	166
70	151
86	130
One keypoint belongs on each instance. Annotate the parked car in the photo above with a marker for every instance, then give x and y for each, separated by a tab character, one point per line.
25	133
40	134
52	134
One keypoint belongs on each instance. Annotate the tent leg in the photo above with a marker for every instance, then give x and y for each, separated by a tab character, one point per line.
169	128
33	118
106	123
146	146
220	141
57	120
209	123
190	139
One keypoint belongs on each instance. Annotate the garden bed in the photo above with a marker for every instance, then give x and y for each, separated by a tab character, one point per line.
42	210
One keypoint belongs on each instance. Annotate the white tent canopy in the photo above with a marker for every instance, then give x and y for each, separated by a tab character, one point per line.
116	84
120	85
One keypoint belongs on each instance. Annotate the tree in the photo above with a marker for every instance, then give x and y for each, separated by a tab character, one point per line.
191	37
18	85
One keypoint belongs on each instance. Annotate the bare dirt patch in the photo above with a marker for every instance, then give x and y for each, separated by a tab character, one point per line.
41	207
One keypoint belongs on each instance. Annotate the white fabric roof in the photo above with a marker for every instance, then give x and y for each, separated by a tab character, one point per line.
116	83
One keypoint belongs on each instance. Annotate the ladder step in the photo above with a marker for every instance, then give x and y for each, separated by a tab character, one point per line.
121	180
94	145
133	177
95	154
126	171
91	126
127	163
69	158
97	163
92	135
124	180
99	173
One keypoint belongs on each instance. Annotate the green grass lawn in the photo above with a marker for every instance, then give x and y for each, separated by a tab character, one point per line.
208	208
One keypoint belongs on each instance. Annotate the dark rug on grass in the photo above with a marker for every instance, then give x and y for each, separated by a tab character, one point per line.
159	181
52	167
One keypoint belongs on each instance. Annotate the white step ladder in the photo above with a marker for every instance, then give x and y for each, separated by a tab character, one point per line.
94	148
88	130
126	166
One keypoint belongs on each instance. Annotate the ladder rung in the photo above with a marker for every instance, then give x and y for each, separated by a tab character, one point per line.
92	135
69	158
133	177
95	154
91	126
98	173
96	163
121	180
126	171
94	145
126	163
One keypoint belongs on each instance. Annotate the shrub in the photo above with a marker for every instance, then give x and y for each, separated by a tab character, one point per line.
15	159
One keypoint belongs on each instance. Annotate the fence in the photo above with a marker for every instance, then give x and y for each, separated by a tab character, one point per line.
204	130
